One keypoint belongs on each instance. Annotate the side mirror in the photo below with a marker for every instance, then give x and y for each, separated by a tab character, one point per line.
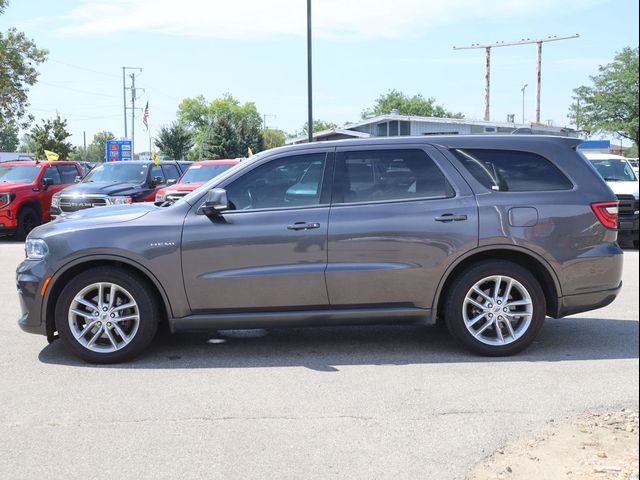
156	181
215	202
172	181
78	179
46	183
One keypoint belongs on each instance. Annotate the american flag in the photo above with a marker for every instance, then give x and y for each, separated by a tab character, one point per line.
145	116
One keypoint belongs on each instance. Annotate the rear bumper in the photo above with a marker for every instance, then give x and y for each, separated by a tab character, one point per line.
584	302
628	227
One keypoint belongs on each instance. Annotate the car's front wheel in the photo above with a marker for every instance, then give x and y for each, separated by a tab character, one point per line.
107	315
495	308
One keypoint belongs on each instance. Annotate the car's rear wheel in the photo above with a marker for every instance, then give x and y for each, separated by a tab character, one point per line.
107	315
495	308
28	219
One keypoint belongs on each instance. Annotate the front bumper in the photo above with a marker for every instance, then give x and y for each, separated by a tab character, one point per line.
8	221
30	276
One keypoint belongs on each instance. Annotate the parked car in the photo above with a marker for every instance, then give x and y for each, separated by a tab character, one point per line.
197	174
623	180
634	164
115	183
26	188
87	166
489	233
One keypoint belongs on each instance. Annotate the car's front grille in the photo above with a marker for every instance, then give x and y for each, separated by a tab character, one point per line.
173	196
627	204
73	204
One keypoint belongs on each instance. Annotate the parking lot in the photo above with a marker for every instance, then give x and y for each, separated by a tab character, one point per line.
366	402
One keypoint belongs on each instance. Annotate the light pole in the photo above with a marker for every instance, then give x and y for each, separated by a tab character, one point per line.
309	90
522	90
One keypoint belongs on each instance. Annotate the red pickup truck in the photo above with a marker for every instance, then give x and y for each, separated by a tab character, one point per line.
26	188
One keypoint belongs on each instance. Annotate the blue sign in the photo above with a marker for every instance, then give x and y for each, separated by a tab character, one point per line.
118	150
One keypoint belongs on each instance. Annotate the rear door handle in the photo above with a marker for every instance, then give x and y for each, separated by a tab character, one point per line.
450	217
303	226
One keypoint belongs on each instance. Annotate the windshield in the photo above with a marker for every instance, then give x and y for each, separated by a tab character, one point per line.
614	170
118	173
18	173
203	173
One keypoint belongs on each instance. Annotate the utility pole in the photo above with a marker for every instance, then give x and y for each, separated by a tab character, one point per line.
309	94
264	119
522	90
84	152
133	100
523	41
133	113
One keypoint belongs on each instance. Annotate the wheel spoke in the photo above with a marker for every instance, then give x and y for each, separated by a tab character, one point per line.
112	295
481	293
499	331
475	304
496	289
100	295
125	338
82	314
483	328
519	303
512	334
475	320
95	337
111	338
87	328
86	303
124	305
124	319
507	290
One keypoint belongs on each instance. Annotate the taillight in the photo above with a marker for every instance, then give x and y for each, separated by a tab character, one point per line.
607	213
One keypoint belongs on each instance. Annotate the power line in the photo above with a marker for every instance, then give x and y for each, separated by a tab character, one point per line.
77	90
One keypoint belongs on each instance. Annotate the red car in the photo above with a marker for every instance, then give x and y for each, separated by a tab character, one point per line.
26	188
197	174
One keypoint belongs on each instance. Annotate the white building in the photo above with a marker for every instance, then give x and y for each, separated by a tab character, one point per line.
394	124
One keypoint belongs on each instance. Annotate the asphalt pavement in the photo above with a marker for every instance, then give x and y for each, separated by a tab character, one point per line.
359	403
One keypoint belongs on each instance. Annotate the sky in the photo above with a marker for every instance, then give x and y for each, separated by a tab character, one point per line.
256	50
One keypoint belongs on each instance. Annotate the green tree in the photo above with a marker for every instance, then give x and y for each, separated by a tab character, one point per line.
27	145
224	116
51	135
610	103
273	138
318	126
9	140
405	105
19	57
97	149
174	141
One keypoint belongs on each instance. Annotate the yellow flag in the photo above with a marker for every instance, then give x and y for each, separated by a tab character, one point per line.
155	158
51	155
249	152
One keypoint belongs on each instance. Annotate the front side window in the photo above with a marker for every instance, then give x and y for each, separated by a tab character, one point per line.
52	174
156	172
512	171
285	182
376	175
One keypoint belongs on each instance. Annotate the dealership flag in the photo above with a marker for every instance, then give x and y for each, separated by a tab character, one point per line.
145	116
51	155
156	159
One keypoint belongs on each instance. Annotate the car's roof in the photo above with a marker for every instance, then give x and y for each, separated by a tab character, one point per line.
225	161
603	156
448	141
33	163
138	162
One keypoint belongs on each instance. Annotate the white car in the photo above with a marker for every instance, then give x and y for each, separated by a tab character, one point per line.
623	180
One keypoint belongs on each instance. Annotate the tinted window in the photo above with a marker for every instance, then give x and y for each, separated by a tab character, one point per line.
203	173
374	175
615	170
118	172
171	172
286	182
513	171
156	171
18	173
68	173
52	173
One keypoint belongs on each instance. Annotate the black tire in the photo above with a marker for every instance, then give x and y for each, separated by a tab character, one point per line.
28	219
142	294
462	285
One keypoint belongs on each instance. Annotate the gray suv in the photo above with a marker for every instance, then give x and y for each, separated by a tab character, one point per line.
489	234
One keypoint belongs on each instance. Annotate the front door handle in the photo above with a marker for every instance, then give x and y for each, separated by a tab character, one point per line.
450	217
303	226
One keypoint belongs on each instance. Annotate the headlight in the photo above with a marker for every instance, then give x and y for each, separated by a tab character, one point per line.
6	198
36	249
160	197
55	201
119	200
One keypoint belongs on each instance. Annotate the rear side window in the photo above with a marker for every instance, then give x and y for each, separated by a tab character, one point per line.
512	171
378	175
68	173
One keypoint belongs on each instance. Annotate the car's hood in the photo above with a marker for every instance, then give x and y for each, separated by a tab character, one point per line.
94	216
10	186
102	188
624	188
183	187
